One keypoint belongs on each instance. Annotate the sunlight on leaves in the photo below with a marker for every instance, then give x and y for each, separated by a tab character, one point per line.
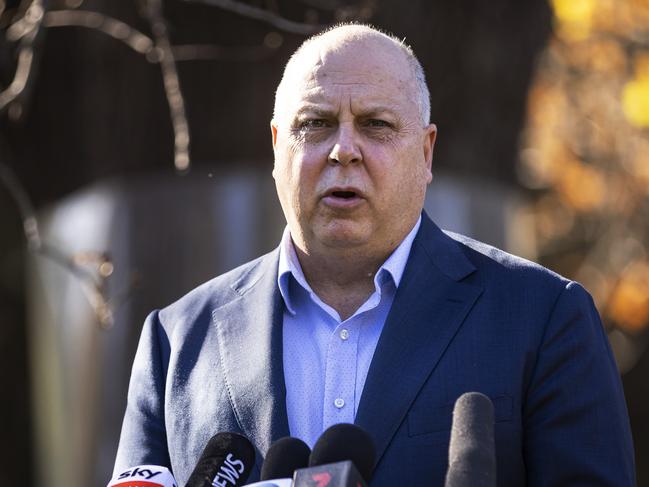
585	153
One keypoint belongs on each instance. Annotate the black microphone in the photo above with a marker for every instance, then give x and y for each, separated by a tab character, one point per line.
345	442
284	457
472	451
227	461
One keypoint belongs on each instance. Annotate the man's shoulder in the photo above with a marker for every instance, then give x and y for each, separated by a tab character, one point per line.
498	264
218	291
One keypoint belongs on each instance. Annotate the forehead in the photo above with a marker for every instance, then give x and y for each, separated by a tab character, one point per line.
360	73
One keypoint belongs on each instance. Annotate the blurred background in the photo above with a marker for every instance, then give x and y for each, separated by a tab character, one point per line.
135	163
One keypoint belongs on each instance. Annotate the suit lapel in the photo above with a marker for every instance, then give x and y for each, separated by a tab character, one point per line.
430	305
249	331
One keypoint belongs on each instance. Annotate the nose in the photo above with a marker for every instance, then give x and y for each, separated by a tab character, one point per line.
345	149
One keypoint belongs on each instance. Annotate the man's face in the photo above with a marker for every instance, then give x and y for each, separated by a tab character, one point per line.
352	158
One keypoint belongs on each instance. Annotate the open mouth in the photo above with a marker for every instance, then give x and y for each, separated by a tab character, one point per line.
344	194
343	198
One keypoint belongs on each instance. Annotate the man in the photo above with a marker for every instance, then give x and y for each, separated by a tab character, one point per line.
368	313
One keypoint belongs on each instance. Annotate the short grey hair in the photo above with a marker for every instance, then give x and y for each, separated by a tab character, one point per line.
423	95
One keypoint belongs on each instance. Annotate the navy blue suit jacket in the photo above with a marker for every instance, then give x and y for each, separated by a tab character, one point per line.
466	317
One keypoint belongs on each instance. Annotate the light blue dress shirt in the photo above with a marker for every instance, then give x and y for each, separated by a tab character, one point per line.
325	359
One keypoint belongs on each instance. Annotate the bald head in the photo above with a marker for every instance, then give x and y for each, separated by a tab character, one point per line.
353	149
387	50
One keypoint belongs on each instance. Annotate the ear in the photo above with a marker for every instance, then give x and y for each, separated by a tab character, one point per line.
273	131
430	135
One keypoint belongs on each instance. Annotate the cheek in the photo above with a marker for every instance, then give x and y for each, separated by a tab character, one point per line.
294	145
295	178
306	164
404	180
310	155
287	163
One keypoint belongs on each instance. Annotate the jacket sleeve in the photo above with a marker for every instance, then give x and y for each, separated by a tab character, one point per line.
143	438
576	425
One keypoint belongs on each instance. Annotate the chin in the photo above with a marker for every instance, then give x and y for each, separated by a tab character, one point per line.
344	237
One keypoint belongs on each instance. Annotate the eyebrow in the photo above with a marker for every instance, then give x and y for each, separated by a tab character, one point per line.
315	110
379	110
325	112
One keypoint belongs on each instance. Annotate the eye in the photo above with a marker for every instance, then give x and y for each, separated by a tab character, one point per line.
313	123
377	123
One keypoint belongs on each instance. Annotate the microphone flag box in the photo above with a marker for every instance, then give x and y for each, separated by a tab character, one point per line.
144	476
340	474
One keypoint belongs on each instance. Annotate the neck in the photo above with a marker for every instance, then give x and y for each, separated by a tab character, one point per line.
344	280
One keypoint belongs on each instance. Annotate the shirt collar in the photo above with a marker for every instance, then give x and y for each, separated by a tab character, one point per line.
289	265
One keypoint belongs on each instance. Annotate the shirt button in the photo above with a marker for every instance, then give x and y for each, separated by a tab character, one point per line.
344	334
339	403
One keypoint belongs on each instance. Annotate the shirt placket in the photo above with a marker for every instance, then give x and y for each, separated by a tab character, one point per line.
340	374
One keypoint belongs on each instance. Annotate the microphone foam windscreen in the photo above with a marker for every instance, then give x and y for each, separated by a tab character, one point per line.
227	458
284	457
472	453
343	442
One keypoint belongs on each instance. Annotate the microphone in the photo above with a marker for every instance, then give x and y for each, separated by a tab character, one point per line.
144	476
342	457
472	451
284	457
343	442
227	460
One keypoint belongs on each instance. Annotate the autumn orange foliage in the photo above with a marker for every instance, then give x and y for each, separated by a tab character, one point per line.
585	151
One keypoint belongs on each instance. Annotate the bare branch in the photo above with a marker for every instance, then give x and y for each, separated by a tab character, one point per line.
203	52
27	23
263	15
116	29
23	70
25	207
25	29
143	44
92	279
171	81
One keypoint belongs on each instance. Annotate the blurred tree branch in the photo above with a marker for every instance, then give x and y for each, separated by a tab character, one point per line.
152	11
24	25
263	15
90	268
